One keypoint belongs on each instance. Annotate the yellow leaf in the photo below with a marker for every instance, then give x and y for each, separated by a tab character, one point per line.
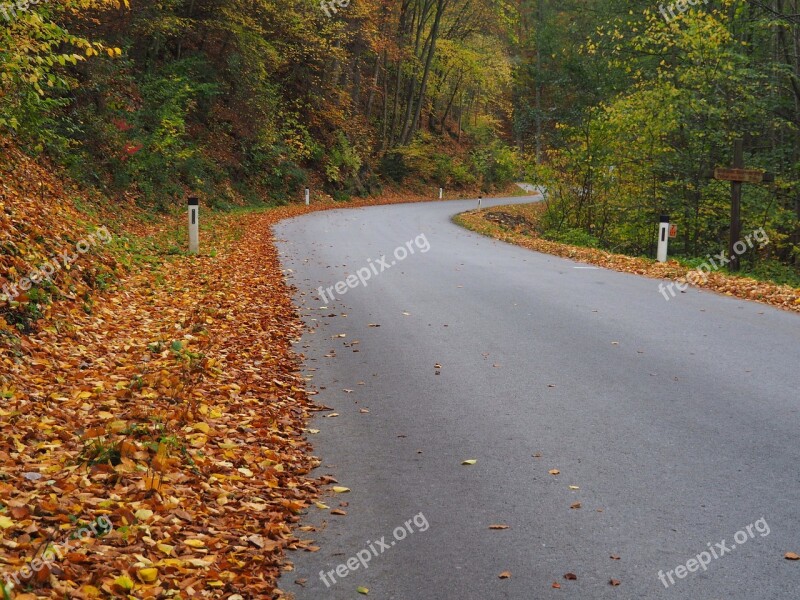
124	582
340	490
165	548
362	590
5	522
469	461
148	575
143	514
194	543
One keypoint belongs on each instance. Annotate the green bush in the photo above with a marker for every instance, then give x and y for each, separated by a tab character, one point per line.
393	166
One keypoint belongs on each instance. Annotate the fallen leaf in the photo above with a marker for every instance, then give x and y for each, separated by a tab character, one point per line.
362	590
614	557
338	511
498	526
554	471
505	575
791	556
575	505
556	585
148	575
340	489
614	582
469	461
124	583
570	576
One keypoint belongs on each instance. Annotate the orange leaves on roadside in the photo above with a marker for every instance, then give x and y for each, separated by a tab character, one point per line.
175	408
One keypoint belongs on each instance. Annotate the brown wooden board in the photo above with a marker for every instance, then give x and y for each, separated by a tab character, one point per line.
742	175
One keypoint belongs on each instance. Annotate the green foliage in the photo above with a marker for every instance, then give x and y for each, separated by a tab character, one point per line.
343	162
37	60
393	166
574	237
686	90
169	159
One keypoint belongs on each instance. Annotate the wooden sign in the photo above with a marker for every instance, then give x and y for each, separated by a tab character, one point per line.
739	175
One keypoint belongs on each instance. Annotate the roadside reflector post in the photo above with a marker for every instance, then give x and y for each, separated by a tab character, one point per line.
479	201
308	197
440	193
663	238
194	225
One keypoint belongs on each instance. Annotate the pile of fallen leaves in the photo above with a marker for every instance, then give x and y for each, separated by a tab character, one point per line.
515	224
173	409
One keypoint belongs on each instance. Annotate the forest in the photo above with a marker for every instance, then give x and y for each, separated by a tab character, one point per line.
621	108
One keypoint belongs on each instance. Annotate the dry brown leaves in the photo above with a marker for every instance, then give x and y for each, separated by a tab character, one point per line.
520	216
175	410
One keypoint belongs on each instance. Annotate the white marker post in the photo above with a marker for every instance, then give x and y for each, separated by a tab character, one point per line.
308	197
194	226
479	201
440	193
663	238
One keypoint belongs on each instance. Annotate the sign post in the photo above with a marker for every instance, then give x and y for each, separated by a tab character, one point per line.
663	240
194	225
440	193
737	176
308	197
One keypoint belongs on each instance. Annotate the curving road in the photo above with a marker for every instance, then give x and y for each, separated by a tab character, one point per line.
674	424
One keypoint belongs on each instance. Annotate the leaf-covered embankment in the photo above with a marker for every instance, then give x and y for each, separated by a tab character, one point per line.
175	410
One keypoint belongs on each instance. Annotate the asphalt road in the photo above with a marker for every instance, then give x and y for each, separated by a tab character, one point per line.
673	423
